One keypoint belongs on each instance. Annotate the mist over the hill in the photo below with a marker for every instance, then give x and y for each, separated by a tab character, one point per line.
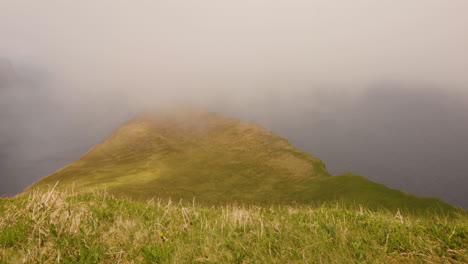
378	88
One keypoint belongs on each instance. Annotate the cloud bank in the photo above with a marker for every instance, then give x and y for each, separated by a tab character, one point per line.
374	87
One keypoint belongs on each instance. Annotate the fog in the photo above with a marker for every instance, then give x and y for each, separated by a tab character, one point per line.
378	88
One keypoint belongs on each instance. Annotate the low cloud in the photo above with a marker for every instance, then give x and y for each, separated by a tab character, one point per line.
377	88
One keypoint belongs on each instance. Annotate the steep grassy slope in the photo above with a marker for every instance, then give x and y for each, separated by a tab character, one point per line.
165	151
56	227
187	153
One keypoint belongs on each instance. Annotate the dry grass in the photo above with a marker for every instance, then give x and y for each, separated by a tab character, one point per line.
63	227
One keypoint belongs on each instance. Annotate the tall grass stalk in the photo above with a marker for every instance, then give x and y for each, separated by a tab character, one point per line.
65	227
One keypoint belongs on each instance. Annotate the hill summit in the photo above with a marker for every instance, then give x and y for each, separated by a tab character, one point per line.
188	152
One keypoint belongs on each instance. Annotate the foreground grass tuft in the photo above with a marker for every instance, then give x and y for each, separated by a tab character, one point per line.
62	227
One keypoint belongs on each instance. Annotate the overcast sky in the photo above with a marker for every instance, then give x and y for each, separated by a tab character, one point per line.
374	87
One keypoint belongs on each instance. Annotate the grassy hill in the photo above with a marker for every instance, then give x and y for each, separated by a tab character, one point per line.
188	153
61	227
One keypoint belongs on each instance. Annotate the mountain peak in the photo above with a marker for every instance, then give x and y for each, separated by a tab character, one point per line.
187	152
180	145
189	121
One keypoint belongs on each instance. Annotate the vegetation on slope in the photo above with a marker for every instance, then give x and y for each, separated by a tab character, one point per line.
59	227
158	151
194	153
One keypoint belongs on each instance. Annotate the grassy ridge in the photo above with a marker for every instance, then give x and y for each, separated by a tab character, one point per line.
198	151
348	190
51	227
195	153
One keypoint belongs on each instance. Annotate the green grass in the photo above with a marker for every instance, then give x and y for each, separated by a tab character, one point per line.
216	160
65	227
168	153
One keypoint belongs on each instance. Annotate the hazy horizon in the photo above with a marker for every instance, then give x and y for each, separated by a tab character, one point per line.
378	88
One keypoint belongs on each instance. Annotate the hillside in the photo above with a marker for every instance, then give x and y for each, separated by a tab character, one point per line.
58	227
188	153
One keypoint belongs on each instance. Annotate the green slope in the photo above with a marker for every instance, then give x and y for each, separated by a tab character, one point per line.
190	152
